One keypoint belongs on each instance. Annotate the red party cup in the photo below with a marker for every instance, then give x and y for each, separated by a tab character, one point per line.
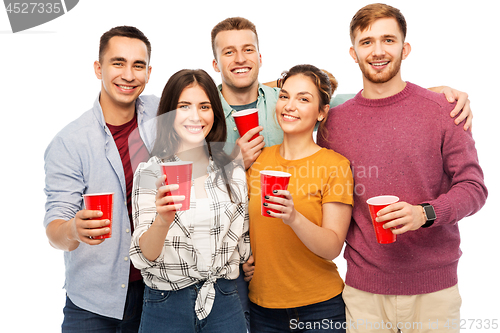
104	203
180	173
384	236
246	120
269	181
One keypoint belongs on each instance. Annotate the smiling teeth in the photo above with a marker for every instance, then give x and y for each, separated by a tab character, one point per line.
126	87
241	70
289	117
380	63
193	129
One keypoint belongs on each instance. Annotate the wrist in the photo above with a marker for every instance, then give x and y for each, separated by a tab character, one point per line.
429	215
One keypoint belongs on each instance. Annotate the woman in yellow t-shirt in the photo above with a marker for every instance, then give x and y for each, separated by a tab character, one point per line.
295	284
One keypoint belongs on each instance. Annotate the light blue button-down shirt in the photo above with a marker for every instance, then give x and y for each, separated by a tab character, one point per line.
266	103
83	158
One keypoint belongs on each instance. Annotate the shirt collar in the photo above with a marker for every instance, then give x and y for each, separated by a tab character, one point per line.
97	109
228	109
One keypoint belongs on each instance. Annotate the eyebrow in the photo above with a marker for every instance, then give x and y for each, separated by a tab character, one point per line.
188	102
121	59
298	94
383	37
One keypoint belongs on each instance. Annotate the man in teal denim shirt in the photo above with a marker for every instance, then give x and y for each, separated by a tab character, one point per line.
86	157
237	58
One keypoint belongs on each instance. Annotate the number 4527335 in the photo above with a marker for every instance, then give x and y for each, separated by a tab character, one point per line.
472	324
33	7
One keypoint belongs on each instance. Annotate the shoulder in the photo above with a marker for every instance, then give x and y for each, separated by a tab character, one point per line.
150	103
332	156
426	95
274	91
268	151
74	133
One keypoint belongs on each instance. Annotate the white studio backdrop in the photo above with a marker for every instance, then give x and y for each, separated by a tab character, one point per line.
47	80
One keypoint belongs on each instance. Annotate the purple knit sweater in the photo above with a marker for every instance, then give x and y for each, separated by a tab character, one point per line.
406	145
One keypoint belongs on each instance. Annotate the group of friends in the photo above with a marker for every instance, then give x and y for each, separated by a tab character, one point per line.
222	266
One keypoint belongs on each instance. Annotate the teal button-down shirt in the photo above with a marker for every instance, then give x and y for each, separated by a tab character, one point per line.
266	103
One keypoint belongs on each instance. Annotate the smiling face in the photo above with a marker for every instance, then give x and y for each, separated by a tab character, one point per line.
298	107
124	72
194	117
237	59
379	51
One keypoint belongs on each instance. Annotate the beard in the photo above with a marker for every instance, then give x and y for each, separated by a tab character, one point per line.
381	76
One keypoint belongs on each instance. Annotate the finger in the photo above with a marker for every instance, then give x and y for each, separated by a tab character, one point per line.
165	190
284	193
168	199
168	208
279	208
90	241
465	115
250	260
96	232
86	214
248	135
276	200
160	181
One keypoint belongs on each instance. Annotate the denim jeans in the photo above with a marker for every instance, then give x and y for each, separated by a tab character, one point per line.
327	316
242	287
173	311
77	320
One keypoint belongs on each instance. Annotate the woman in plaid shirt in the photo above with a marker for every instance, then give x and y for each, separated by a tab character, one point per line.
190	259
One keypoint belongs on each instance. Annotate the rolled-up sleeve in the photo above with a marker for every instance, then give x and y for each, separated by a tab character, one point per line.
64	182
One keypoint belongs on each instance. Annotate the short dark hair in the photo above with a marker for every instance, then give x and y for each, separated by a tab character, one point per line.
233	23
122	31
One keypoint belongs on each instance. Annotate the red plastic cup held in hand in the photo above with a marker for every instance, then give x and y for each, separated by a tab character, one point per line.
269	182
375	204
180	173
246	120
104	203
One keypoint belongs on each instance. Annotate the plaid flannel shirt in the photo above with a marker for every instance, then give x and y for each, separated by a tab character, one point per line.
180	264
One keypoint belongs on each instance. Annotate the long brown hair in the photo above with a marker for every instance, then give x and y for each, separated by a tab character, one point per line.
168	141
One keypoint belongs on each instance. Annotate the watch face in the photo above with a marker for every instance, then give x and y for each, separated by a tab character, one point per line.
430	213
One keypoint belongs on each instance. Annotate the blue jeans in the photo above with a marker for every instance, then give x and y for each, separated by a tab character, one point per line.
173	311
242	287
327	316
78	320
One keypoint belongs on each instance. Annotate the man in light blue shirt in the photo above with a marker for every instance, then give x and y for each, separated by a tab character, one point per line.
93	155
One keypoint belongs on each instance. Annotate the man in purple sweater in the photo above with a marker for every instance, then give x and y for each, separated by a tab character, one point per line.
400	141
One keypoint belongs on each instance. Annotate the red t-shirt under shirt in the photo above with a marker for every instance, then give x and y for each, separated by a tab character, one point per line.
132	152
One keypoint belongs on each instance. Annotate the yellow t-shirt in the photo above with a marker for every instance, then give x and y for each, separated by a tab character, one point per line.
287	274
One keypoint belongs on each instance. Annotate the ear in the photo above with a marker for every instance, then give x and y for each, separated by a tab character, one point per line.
149	74
353	54
215	66
323	112
97	70
260	60
406	50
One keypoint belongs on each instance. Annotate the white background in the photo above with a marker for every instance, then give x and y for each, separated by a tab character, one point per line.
47	80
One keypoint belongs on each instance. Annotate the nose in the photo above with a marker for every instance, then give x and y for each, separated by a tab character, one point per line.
194	115
239	57
290	105
378	49
128	74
